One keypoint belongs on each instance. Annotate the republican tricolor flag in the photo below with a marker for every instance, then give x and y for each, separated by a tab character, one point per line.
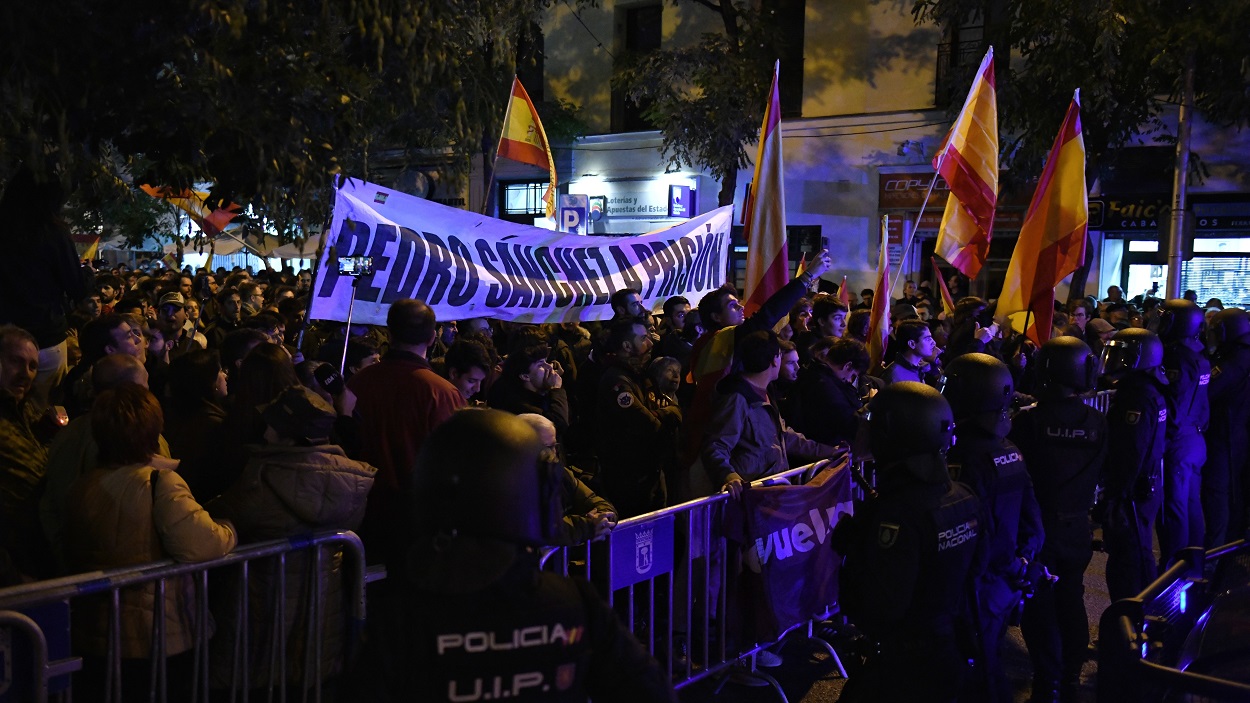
524	140
764	227
968	160
1052	238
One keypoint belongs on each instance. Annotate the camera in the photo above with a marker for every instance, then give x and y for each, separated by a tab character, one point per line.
329	379
355	265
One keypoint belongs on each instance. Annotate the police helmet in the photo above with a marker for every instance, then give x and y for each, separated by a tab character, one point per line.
1133	349
978	384
908	419
1230	325
1179	319
1067	362
485	473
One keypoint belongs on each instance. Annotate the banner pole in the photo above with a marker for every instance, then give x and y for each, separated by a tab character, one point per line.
347	331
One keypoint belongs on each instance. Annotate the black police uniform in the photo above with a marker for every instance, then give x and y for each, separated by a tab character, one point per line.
995	470
1228	444
530	636
905	582
1064	443
628	432
1136	433
1180	521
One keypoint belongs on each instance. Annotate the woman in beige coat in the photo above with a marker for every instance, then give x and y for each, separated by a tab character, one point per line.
134	508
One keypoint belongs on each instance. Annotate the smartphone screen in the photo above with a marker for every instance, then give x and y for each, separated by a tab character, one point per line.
355	265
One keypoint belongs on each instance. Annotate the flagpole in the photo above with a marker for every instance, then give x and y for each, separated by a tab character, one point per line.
911	236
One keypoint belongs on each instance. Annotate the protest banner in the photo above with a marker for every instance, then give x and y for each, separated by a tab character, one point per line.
467	265
791	573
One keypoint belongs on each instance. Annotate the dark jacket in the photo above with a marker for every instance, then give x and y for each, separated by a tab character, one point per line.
511	395
400	662
828	406
629	430
994	469
287	491
746	436
578	501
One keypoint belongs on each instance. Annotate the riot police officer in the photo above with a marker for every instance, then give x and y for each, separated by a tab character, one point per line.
908	553
1133	473
1228	442
474	618
1064	443
1188	373
980	390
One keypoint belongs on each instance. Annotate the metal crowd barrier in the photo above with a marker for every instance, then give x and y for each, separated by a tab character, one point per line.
665	573
37	617
1100	400
1143	641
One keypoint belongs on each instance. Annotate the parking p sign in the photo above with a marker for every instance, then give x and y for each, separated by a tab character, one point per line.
572	214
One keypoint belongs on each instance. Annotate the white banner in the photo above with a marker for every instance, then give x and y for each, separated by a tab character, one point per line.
467	265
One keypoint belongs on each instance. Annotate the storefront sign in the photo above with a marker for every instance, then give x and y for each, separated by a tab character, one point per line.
574	211
642	199
1131	214
680	201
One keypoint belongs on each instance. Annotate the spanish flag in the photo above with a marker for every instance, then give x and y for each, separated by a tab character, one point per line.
968	160
948	305
524	140
1052	238
879	324
212	220
764	226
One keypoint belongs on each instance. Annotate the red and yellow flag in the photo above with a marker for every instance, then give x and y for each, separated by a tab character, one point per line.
948	305
212	220
879	325
524	140
968	160
1052	238
764	227
844	295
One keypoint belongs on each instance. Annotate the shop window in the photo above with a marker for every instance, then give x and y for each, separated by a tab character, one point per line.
523	202
1223	277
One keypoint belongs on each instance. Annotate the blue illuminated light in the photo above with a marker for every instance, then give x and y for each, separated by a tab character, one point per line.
1182	596
1145	648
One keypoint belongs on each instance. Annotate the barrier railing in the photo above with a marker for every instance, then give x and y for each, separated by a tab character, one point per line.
1100	400
666	575
1144	640
37	616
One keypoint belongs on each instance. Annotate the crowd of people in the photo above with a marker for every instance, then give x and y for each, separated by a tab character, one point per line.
211	413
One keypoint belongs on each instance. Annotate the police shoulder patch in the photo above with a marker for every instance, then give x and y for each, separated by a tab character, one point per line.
887	534
625	399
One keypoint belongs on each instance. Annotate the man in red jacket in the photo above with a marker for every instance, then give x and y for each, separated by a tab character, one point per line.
399	401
